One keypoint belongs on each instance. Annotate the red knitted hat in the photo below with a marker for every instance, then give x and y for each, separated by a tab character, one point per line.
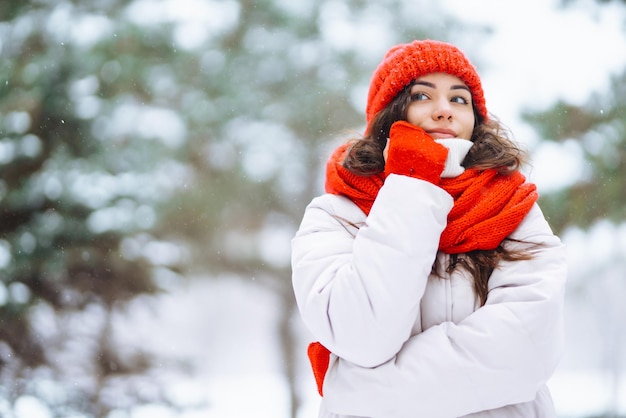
405	62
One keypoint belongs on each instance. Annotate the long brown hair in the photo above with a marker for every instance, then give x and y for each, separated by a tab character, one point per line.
493	149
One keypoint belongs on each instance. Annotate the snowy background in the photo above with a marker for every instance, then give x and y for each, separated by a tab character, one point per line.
226	328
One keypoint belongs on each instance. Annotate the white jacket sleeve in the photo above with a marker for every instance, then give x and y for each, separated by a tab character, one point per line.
499	355
359	294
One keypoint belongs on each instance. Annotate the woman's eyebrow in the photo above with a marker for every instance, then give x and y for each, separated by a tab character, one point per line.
460	87
425	83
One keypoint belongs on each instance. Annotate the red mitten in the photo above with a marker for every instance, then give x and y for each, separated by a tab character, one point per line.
414	153
319	356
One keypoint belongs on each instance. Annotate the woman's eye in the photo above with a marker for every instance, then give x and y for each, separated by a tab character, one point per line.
419	96
460	100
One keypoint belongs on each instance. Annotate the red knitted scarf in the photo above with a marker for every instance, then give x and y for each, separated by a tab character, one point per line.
487	206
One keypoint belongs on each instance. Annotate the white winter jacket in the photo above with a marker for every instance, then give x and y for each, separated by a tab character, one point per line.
408	344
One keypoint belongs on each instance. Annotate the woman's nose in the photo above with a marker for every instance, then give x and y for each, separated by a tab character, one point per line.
442	110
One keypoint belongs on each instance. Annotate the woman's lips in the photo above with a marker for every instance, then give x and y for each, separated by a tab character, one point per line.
441	133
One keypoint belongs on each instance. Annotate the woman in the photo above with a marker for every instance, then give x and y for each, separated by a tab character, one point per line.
427	272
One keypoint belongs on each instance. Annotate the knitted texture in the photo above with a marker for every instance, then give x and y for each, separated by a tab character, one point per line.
342	182
406	62
414	153
488	207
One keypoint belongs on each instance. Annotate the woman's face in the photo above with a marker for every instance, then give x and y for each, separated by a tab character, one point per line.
441	104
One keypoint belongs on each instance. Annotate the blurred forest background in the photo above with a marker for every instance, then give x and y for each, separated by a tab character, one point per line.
155	160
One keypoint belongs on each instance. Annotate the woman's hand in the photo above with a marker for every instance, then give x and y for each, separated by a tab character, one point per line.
410	151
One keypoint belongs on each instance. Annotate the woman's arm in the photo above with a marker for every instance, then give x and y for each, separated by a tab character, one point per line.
359	294
499	355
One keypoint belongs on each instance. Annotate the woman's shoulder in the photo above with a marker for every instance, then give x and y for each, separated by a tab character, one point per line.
535	228
337	205
330	212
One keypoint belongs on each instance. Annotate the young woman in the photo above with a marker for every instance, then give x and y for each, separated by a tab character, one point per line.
427	272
